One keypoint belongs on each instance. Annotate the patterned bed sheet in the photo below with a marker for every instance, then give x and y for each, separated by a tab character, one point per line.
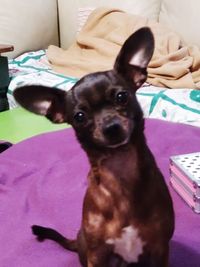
175	105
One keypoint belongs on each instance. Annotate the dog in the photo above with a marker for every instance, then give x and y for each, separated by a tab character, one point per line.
128	216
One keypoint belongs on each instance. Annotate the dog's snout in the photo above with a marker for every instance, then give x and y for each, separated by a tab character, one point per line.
111	129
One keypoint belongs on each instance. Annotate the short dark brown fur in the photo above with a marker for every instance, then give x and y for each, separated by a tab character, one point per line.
126	199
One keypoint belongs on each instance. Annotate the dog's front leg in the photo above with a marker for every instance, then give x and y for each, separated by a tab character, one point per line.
90	264
102	258
93	260
98	257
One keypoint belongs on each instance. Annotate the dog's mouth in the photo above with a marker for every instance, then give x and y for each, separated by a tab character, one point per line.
118	144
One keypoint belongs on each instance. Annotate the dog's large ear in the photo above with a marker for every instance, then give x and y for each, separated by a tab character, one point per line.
46	101
134	56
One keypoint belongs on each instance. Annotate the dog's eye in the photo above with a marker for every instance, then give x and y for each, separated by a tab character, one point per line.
122	97
79	117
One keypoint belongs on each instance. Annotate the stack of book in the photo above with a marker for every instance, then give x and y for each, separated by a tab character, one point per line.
185	178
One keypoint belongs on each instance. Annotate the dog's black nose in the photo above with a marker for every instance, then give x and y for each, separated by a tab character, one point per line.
111	130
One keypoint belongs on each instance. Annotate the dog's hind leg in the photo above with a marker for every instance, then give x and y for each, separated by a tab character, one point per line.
43	233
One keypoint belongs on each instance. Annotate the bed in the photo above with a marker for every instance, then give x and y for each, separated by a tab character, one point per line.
44	191
178	105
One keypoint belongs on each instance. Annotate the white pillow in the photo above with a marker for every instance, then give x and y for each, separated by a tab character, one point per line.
83	13
182	16
28	25
69	23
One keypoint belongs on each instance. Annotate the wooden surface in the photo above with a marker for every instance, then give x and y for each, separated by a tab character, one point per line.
6	48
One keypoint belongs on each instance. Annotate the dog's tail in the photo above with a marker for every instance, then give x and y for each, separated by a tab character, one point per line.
43	233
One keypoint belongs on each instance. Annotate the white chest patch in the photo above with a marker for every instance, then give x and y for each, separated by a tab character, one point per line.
129	245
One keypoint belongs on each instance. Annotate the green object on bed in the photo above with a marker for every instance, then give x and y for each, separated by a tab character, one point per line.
18	124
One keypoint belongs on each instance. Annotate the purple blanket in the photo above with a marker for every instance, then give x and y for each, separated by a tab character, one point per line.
43	180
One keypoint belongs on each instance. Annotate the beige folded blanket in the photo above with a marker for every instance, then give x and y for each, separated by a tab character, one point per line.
101	38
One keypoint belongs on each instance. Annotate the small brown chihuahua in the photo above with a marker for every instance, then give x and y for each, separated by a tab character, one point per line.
128	217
